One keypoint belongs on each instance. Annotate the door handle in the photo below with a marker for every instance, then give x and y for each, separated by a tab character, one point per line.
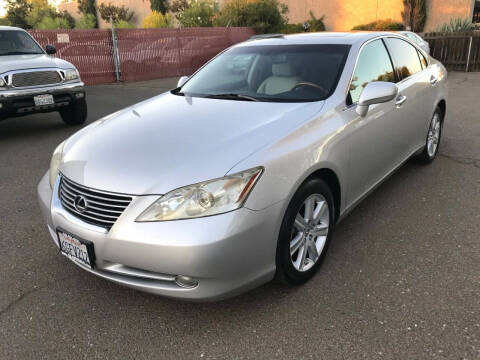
433	80
400	100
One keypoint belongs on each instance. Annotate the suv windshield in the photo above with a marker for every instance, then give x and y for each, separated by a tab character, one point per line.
16	42
283	73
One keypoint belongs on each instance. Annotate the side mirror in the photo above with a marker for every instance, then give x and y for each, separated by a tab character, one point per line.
50	49
376	92
182	81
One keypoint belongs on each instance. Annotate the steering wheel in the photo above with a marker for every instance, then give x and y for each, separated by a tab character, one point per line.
309	84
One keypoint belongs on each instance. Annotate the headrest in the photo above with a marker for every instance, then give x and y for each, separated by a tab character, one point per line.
283	69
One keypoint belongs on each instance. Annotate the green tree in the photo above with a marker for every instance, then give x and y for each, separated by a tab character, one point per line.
88	7
414	14
117	13
86	21
265	16
44	16
17	11
160	6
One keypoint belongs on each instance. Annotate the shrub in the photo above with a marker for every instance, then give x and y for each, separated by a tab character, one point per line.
86	21
380	25
4	21
311	25
123	24
457	25
117	13
414	14
265	16
199	13
156	20
87	7
48	22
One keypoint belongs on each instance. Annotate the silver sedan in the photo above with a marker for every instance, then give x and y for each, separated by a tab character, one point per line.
240	174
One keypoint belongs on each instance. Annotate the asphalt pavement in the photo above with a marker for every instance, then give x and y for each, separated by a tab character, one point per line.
401	280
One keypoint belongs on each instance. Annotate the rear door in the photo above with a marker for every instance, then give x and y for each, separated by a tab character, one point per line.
414	90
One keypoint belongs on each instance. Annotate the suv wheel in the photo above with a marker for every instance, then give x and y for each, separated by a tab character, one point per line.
75	114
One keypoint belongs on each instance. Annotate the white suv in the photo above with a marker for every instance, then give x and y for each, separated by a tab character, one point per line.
32	81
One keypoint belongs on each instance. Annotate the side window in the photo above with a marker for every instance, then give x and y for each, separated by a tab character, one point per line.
404	56
373	64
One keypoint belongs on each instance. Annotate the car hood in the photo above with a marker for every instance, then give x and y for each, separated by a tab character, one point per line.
171	141
24	62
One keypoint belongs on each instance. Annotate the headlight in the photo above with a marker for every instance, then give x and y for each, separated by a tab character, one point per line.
55	163
207	198
71	74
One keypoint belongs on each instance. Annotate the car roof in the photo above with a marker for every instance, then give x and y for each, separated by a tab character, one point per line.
10	28
347	38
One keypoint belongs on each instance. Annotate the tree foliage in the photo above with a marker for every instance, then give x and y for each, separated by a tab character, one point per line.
17	11
160	6
198	13
87	8
116	13
414	14
265	16
86	21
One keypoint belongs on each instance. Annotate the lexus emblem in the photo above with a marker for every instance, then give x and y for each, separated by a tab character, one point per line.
80	203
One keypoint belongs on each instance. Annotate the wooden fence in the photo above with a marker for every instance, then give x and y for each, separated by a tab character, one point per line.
143	53
458	52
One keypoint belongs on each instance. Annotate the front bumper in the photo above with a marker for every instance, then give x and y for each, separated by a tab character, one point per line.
19	102
227	254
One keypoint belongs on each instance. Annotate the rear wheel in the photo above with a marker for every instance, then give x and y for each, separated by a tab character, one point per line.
432	142
76	113
305	233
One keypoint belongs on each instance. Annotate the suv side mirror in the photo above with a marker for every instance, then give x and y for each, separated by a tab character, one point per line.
50	49
376	92
182	81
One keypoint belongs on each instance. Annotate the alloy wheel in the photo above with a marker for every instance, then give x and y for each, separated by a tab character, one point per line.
433	137
309	232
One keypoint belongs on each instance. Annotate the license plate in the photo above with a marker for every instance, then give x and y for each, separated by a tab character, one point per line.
76	249
40	100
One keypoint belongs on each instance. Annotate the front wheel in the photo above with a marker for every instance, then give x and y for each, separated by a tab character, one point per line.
305	232
432	141
76	113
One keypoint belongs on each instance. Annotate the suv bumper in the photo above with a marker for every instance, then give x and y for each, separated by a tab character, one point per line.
20	102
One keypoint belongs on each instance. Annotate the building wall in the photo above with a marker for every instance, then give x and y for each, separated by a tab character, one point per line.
342	15
71	7
440	12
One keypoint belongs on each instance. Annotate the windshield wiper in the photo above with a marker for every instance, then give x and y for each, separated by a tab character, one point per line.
232	96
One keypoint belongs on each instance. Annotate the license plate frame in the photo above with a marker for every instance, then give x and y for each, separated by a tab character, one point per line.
44	99
79	250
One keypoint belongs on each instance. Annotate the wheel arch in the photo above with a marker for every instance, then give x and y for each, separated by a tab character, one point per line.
442	104
333	182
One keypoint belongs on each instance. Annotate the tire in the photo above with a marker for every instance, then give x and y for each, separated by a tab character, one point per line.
290	268
75	114
432	141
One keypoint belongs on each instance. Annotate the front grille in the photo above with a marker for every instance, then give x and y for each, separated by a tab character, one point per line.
34	78
102	208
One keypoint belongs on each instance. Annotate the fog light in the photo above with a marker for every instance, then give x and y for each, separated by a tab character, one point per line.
79	95
186	282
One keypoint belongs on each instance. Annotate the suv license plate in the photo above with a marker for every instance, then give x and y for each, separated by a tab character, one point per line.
40	100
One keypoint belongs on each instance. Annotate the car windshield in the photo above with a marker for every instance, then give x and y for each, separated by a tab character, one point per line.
16	42
282	73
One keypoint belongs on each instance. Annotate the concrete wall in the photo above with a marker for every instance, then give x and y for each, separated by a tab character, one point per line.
440	12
